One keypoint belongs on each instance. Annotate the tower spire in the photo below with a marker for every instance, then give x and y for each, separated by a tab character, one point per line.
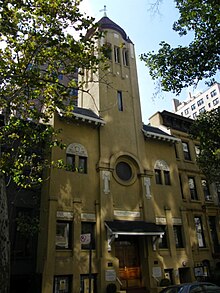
104	10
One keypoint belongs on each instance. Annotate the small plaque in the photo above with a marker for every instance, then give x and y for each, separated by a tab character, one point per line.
110	275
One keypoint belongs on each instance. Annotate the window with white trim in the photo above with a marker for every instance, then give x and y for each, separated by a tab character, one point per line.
63	235
199	232
193	106
163	242
120	100
206	191
202	110
215	102
213	93
162	172
125	57
192	188
76	158
117	54
200	102
186	152
186	111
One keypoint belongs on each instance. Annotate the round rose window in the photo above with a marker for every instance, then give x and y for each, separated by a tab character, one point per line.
124	171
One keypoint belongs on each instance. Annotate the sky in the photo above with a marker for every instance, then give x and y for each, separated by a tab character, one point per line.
146	30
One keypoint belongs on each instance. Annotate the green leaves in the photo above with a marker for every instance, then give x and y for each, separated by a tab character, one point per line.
37	50
42	44
181	67
206	128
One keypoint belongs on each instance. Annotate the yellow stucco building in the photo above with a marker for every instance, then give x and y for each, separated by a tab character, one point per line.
124	214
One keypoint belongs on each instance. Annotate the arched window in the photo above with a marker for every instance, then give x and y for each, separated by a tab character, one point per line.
76	158
162	172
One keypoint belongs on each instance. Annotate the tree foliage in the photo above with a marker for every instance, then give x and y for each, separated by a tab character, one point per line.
40	42
206	128
40	55
184	66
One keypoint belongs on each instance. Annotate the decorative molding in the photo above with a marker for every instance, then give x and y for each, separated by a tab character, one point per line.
147	185
66	215
87	216
106	181
161	165
161	221
132	214
177	221
76	149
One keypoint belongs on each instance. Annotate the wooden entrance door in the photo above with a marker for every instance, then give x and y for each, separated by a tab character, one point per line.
127	251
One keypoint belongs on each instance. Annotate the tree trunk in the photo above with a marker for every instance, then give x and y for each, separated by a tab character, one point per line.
4	239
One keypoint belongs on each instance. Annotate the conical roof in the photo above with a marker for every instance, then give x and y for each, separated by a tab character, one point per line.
107	23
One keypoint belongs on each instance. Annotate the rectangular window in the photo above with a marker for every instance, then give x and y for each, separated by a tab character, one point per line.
177	229
213	93
76	163
192	188
215	102
117	54
202	110
158	176
82	165
206	191
88	228
125	57
107	50
167	177
63	235
200	102
199	232
62	284
186	111
163	243
193	107
186	152
120	101
70	162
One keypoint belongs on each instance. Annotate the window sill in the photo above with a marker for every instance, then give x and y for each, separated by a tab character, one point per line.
180	248
195	201
203	248
189	161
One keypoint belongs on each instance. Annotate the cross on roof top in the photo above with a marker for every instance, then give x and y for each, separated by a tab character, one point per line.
104	10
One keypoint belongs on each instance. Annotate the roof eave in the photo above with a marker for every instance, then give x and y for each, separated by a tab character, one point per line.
77	116
160	136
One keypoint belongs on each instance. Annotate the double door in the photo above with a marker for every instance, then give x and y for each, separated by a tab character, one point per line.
127	251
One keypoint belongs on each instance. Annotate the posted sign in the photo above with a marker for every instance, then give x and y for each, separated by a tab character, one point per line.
85	238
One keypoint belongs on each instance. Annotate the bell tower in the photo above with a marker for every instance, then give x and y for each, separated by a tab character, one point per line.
114	93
